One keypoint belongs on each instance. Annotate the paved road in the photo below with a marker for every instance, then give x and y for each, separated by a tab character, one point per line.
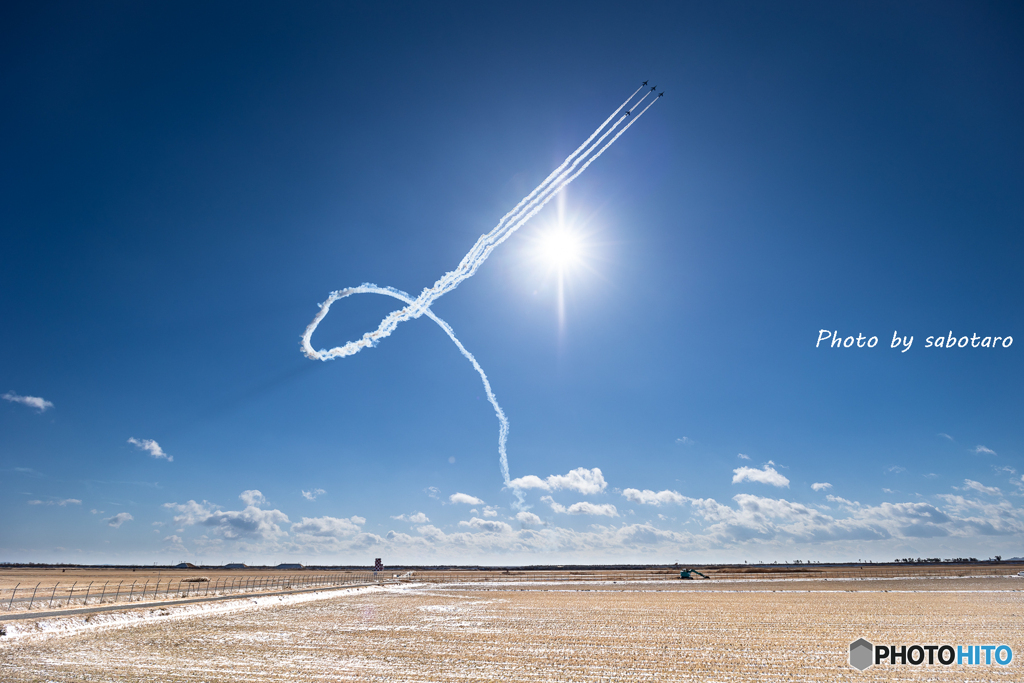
168	603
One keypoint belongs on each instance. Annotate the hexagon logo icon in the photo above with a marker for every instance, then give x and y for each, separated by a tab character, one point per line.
860	654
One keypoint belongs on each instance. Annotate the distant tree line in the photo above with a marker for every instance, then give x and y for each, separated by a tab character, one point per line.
954	560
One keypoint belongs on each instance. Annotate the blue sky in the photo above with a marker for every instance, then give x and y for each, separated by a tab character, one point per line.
184	185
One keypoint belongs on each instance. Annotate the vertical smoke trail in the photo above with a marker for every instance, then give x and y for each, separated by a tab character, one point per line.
528	207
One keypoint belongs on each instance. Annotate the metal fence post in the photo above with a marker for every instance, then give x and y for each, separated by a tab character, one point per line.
33	596
12	597
89	588
130	593
103	592
72	592
52	594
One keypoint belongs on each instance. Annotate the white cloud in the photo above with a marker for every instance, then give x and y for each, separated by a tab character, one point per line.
685	440
62	503
648	497
821	486
585	508
528	518
191	512
311	495
175	544
40	404
334	527
490	511
530	481
117	520
741	456
433	491
980	488
768	475
582	508
775	520
946	436
930	475
465	498
416	518
981	449
580	479
151	447
332	535
842	501
746	524
252	522
490	525
252	497
29	471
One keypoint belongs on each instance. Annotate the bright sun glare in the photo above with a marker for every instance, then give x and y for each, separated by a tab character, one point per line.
561	247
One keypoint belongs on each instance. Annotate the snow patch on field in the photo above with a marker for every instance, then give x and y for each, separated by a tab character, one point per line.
101	621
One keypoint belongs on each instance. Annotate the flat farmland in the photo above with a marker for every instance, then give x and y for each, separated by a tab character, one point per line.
551	631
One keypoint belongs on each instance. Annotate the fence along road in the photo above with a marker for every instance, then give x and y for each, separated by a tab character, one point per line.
24	599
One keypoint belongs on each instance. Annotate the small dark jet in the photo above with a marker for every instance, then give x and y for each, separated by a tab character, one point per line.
654	88
644	83
661	94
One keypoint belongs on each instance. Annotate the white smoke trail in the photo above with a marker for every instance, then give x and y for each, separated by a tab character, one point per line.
528	207
370	288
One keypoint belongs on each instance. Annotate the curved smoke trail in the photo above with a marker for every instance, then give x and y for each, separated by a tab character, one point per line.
528	207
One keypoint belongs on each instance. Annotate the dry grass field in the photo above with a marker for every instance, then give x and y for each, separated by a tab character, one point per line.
797	630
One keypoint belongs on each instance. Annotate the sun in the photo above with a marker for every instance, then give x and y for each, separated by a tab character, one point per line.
561	248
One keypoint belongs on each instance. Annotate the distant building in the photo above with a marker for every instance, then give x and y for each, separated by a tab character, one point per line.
185	565
235	565
289	566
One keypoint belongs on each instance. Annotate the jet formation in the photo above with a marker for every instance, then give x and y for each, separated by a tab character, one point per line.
661	94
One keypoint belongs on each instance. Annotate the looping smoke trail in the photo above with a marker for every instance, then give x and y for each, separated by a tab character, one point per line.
528	207
370	288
